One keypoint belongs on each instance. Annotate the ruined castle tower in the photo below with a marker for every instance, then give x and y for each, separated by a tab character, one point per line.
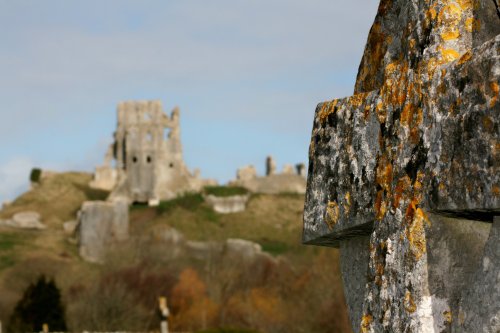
148	153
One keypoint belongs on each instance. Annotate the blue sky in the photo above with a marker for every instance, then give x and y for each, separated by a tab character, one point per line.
246	74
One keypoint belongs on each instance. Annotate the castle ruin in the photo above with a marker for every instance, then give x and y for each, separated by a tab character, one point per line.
147	150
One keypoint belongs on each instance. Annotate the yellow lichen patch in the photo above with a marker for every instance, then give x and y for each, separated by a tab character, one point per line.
406	114
409	303
384	173
450	15
450	34
380	206
326	109
472	24
381	112
358	99
447	316
468	4
413	43
495	189
495	88
332	214
366	322
415	233
465	57
432	64
449	55
347	203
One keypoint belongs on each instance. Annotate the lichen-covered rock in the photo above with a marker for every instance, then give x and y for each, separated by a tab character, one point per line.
419	140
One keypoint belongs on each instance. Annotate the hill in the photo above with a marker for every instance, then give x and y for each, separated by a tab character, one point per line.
244	270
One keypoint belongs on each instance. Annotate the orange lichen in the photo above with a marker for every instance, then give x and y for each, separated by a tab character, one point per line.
357	99
450	34
495	189
409	303
372	59
380	206
415	233
449	55
472	24
326	109
332	214
381	112
347	203
450	15
402	187
366	322
495	88
465	58
384	173
447	316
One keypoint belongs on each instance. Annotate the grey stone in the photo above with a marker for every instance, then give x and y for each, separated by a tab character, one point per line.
69	227
412	161
100	225
273	183
480	302
24	220
227	205
270	166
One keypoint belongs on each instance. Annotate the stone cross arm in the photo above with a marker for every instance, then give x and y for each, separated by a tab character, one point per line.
417	144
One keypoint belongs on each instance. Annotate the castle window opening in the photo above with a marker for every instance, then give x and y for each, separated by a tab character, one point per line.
148	159
171	165
134	159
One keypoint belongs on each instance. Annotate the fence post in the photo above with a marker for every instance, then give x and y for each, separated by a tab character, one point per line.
164	312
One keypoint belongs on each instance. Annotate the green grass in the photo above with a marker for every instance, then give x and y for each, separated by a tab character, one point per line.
8	242
274	247
188	201
225	191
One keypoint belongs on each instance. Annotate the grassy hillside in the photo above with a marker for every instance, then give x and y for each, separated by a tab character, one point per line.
296	289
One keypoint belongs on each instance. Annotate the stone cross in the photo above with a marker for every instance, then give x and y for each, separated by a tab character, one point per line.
404	176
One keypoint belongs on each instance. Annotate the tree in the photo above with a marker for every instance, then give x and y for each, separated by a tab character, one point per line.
40	304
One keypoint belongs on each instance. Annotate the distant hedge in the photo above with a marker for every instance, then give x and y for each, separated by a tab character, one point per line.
225	191
35	175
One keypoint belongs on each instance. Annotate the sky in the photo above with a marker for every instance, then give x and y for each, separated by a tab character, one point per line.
246	75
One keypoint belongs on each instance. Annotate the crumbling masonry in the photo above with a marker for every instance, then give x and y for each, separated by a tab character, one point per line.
148	154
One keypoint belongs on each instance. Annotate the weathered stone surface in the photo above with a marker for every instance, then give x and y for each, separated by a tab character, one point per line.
418	141
227	205
100	225
480	302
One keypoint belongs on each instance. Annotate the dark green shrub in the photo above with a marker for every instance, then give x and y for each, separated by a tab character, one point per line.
225	191
40	304
35	175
